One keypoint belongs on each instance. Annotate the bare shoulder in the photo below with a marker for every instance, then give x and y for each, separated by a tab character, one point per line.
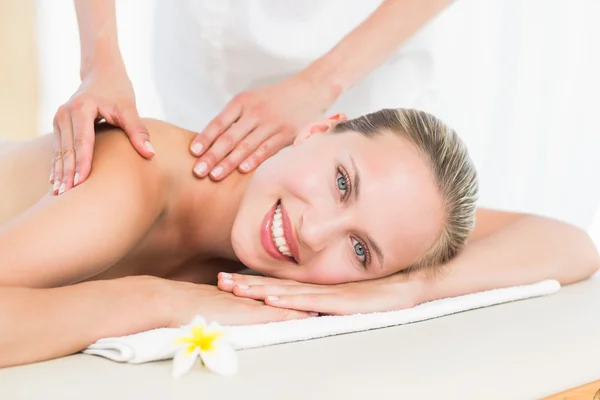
168	140
165	134
489	221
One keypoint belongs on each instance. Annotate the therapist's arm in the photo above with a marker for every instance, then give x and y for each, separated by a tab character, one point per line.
371	43
97	34
258	123
105	93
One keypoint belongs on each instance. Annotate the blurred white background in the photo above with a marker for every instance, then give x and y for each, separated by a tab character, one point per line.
518	79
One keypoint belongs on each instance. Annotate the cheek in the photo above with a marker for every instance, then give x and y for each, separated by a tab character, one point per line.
331	269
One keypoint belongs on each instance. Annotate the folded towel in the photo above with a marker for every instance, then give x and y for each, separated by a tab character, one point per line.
157	344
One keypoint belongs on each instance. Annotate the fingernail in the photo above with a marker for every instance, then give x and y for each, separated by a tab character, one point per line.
200	168
149	146
216	172
76	179
336	116
245	166
62	189
228	281
244	287
51	178
272	298
225	275
197	148
56	185
314	314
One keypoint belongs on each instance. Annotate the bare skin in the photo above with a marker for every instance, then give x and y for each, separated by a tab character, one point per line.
164	251
72	265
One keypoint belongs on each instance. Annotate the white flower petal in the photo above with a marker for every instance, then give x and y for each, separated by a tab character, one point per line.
214	326
183	361
222	359
198	320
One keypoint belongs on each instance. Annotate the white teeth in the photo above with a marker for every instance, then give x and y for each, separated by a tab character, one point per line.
277	233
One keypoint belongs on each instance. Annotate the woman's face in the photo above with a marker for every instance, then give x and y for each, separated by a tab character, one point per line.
337	208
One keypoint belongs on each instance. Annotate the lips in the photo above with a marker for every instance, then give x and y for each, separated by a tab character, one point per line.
266	237
288	233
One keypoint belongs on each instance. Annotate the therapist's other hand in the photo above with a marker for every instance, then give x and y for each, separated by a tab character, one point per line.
385	294
255	125
104	93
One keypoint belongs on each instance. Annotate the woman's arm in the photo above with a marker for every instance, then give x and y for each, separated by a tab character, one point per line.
371	43
40	324
509	249
68	238
505	249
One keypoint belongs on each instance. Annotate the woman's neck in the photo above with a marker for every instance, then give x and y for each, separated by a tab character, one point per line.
203	213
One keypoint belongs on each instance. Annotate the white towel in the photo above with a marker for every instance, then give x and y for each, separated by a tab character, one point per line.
157	344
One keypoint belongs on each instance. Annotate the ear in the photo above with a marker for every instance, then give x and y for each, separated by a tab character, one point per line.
319	127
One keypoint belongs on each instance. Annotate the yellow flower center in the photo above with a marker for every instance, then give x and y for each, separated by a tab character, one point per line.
200	338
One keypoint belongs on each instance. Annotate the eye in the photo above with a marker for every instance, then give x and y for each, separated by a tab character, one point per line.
342	182
361	252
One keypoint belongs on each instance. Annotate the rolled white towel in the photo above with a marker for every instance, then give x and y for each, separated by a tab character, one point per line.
158	344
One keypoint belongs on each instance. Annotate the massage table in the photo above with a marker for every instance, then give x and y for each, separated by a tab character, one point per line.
521	350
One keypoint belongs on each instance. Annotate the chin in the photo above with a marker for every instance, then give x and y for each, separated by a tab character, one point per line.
244	251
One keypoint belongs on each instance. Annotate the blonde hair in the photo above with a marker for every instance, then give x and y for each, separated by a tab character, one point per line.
454	172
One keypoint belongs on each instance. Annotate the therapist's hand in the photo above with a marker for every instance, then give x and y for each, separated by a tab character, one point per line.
104	93
385	294
255	125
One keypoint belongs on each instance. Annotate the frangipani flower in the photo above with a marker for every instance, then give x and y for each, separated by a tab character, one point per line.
207	343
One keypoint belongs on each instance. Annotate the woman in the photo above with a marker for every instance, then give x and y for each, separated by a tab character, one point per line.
351	201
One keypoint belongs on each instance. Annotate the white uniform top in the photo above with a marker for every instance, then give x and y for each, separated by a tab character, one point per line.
207	51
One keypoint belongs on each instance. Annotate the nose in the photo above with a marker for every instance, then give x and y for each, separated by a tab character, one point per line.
316	229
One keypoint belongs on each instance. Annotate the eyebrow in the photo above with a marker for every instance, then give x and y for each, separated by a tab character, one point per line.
377	249
356	187
356	183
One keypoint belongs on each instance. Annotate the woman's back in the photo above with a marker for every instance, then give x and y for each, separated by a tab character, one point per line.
24	172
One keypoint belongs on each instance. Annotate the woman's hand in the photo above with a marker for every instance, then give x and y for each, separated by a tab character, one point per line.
257	124
385	294
104	93
188	300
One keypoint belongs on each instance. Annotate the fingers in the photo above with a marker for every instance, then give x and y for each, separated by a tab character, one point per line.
227	281
129	120
266	149
261	292
283	314
254	149
56	170
64	152
216	127
322	303
83	141
243	149
222	147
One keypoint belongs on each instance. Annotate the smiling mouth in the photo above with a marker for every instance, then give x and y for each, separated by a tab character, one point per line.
278	234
